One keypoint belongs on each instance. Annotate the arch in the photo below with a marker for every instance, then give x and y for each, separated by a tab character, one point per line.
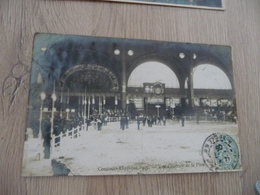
151	72
173	63
218	58
97	71
208	76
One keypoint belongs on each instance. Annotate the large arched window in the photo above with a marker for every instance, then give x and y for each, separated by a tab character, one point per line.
208	76
93	78
150	72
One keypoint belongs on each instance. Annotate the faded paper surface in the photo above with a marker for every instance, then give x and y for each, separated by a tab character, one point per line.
108	106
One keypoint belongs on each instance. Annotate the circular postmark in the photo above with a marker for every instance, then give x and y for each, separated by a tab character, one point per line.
220	152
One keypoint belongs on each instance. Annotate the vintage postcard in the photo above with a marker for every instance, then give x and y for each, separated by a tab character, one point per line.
110	106
203	4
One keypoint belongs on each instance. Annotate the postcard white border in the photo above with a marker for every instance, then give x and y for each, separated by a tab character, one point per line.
172	4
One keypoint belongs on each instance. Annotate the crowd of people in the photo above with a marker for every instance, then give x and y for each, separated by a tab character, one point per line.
96	121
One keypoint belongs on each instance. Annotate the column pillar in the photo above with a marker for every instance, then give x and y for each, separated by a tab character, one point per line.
89	104
192	57
99	105
123	92
191	88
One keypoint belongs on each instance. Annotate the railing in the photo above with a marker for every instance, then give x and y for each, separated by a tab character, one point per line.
73	133
209	118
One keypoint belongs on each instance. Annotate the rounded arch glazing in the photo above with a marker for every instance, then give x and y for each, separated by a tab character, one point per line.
91	77
172	65
224	65
210	76
151	72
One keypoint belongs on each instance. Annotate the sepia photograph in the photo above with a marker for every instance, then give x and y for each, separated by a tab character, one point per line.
114	106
